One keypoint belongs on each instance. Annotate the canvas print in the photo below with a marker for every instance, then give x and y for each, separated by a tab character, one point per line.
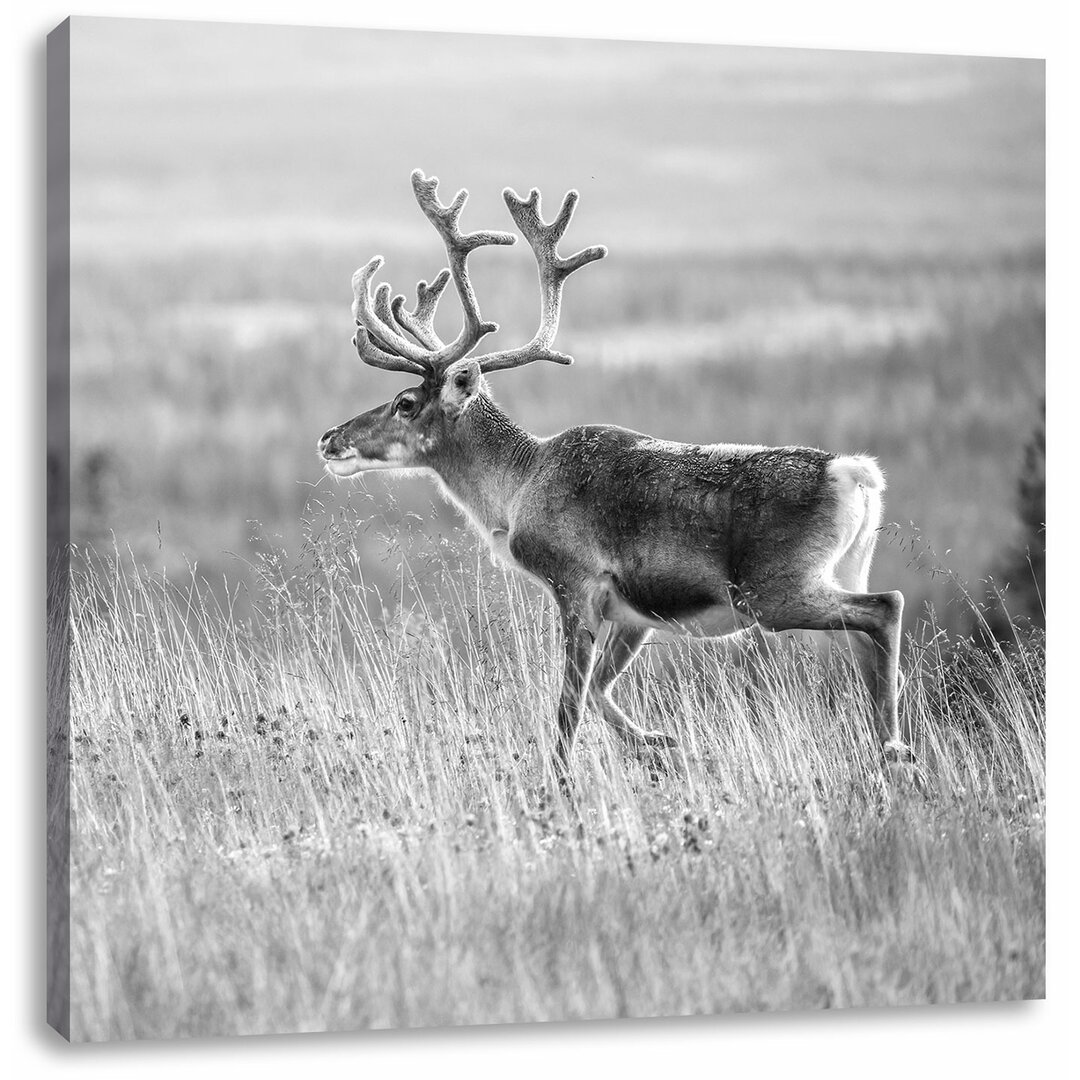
539	529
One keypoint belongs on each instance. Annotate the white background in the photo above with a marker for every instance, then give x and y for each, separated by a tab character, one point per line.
1029	1040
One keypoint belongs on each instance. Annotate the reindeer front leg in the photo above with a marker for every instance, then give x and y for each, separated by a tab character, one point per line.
579	641
624	643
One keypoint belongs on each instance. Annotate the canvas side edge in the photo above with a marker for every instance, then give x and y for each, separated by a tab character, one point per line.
58	526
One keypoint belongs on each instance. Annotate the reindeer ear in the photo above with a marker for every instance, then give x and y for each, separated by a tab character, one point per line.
460	386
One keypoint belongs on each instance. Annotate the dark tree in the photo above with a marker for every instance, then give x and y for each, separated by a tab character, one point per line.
1021	572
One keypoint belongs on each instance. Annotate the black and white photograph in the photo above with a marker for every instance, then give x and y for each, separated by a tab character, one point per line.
561	538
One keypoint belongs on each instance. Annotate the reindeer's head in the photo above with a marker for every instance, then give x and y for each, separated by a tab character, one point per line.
412	430
408	432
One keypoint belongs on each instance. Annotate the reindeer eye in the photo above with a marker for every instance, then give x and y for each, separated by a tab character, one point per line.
406	406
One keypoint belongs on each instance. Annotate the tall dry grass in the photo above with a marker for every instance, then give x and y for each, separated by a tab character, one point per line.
335	813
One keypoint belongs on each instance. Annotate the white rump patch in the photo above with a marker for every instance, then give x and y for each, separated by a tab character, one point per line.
858	469
859	484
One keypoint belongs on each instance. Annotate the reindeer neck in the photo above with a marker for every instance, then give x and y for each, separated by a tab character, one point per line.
486	462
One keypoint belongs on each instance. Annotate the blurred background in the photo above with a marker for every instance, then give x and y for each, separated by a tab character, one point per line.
836	249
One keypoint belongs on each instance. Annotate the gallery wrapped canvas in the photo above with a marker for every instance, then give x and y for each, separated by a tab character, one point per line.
539	529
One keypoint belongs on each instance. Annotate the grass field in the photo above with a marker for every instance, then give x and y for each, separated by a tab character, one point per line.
318	819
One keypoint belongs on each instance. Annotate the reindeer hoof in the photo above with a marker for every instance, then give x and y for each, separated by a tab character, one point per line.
902	767
665	755
897	753
659	740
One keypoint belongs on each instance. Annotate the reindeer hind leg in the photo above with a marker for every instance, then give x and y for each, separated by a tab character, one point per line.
877	615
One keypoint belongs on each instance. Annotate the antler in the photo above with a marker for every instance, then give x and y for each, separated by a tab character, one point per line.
421	322
377	342
458	247
553	270
378	338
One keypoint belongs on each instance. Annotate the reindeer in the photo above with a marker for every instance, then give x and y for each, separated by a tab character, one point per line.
622	529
